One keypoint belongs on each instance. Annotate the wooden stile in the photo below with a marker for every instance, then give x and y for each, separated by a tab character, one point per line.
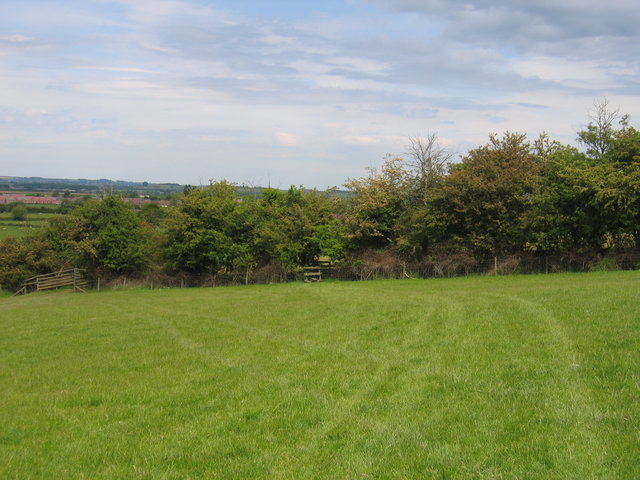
313	273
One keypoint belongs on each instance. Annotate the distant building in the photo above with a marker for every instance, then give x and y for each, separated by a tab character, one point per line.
29	200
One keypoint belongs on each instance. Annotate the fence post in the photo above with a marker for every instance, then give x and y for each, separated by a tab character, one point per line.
495	265
546	264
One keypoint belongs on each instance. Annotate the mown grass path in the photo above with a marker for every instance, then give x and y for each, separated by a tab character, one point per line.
508	377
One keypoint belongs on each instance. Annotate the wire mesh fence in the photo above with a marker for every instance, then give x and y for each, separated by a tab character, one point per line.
387	267
461	265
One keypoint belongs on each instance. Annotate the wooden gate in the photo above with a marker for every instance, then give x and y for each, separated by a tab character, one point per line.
71	277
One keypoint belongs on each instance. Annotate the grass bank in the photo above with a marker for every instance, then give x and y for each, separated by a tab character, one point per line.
478	377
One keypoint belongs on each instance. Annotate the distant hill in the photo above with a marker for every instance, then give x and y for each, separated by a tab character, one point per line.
81	185
85	186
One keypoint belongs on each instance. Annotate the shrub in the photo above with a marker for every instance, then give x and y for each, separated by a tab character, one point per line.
19	212
604	264
24	258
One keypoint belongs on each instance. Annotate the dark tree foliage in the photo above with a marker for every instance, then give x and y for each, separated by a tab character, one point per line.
508	196
153	213
590	202
297	227
377	205
19	212
211	231
482	202
103	236
24	258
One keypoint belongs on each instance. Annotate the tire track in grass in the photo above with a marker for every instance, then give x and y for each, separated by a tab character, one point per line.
571	400
386	368
568	399
497	413
315	449
301	345
304	347
168	323
172	328
206	355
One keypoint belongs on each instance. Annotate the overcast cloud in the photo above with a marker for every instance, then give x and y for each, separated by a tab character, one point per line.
295	92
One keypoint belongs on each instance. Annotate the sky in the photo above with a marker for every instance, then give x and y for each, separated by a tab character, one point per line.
286	92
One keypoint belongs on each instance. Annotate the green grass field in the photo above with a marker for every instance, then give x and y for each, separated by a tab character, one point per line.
521	377
19	229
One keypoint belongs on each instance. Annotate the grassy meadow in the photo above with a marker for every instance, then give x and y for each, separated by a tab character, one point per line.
520	377
19	229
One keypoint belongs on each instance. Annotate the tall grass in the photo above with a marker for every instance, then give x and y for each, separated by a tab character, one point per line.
501	377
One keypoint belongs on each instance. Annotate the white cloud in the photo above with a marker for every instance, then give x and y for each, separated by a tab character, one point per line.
286	139
361	140
161	11
106	68
155	81
141	89
572	73
16	38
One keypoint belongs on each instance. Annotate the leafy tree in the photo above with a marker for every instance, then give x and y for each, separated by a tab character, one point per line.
188	189
563	216
211	231
605	142
19	212
586	206
427	166
153	213
625	145
24	258
296	227
482	202
377	204
618	197
104	236
283	227
66	206
591	201
329	240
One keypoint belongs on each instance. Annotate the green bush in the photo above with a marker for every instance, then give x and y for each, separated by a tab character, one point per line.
604	264
24	258
19	212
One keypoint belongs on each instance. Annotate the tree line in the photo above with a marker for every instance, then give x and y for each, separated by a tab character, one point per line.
510	196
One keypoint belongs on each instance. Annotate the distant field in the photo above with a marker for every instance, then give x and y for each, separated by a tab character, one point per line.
522	377
32	217
13	228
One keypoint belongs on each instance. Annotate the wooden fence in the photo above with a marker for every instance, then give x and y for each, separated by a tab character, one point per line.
71	277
